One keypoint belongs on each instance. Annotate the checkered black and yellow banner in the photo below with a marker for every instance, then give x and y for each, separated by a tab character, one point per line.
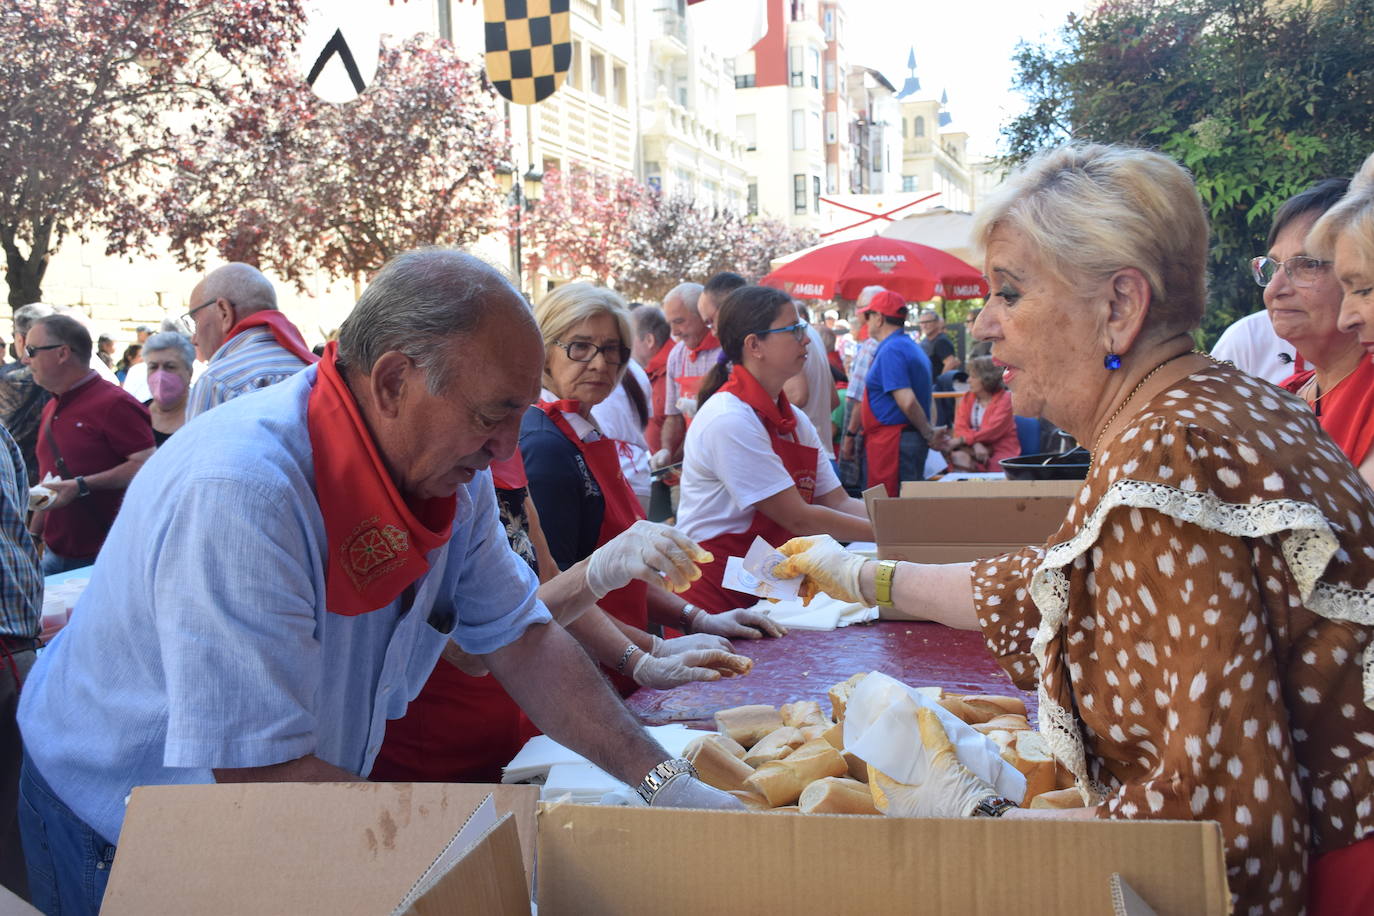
529	47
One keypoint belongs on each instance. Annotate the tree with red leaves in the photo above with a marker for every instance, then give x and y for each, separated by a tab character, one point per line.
299	186
585	219
98	99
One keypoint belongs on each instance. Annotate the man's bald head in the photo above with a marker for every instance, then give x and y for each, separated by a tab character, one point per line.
680	308
224	297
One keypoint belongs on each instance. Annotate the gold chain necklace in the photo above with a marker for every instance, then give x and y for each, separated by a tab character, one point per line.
1312	383
1122	406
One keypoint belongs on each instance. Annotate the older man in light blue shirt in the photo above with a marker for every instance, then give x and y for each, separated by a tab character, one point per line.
203	649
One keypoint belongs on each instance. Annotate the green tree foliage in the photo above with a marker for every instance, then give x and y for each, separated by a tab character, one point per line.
1259	100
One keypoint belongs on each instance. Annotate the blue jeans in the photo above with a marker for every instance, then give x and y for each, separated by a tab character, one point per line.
54	563
914	449
69	863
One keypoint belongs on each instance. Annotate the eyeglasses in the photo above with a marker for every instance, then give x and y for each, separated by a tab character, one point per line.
1301	270
798	330
33	351
584	351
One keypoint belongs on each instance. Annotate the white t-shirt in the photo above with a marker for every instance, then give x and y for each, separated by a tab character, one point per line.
1253	346
729	466
617	418
819	384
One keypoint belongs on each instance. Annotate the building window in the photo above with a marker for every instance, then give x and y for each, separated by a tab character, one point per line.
832	127
618	7
920	126
753	205
619	87
830	76
903	128
830	25
815	69
911	183
798	193
575	69
747	128
596	82
832	178
744	81
798	129
816	126
796	56
816	192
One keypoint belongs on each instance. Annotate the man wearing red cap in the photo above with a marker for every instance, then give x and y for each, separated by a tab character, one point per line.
897	396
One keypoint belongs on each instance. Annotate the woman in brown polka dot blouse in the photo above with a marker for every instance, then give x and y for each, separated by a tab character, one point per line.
1198	629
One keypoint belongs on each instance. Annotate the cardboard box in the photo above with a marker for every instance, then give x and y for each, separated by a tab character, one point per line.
631	861
958	521
326	848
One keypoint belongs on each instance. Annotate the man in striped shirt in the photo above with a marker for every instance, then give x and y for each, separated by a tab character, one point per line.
247	342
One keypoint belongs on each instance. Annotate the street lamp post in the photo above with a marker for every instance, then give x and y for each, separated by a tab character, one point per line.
521	196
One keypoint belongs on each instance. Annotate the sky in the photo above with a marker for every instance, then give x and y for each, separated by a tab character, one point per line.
966	48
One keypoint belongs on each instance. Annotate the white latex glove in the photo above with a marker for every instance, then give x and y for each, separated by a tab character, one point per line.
949	789
741	623
828	568
649	551
686	792
660	459
687	406
667	672
666	647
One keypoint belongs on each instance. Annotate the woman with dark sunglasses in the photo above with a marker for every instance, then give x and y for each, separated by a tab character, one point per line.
753	465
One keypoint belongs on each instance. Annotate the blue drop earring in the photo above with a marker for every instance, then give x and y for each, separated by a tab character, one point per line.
1112	361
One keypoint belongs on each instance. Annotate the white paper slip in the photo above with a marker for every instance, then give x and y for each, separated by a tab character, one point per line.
741	580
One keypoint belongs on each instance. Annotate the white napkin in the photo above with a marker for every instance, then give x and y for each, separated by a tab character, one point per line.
542	756
880	728
40	496
824	613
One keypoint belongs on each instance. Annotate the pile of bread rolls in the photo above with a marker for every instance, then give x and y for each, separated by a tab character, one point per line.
792	759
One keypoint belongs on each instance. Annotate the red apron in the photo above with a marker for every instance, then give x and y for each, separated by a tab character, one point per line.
707	592
883	450
630	604
1342	881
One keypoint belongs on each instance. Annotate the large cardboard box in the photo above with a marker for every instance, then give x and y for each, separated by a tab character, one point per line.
631	861
958	521
321	848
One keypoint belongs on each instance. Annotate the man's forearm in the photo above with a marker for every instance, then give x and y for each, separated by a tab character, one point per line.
673	428
117	477
303	769
567	595
559	688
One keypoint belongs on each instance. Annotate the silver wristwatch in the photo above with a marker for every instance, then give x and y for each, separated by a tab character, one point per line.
663	774
992	806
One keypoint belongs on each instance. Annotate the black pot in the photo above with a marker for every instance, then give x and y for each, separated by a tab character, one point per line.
1048	466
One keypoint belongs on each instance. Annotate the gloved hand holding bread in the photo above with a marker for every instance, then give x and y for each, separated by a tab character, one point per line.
827	566
654	553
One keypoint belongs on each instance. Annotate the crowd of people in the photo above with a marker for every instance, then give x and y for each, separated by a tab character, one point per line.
469	520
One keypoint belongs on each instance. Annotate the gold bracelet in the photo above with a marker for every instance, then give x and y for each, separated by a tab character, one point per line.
882	582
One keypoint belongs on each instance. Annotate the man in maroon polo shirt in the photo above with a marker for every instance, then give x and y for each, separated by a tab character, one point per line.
92	434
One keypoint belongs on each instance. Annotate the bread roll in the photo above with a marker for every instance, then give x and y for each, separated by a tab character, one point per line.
716	765
837	795
973	715
839	694
731	745
1058	798
1004	722
803	713
857	768
997	705
776	745
1033	758
747	724
814	732
835	735
751	799
782	781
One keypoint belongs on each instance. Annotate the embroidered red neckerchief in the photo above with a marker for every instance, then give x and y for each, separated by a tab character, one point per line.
282	329
778	417
377	543
708	342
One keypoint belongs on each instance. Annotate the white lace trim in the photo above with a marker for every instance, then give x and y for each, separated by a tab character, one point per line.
1308	548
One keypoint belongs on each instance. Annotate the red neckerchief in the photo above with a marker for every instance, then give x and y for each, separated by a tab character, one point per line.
510	474
377	543
282	329
565	405
778	417
708	342
658	366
